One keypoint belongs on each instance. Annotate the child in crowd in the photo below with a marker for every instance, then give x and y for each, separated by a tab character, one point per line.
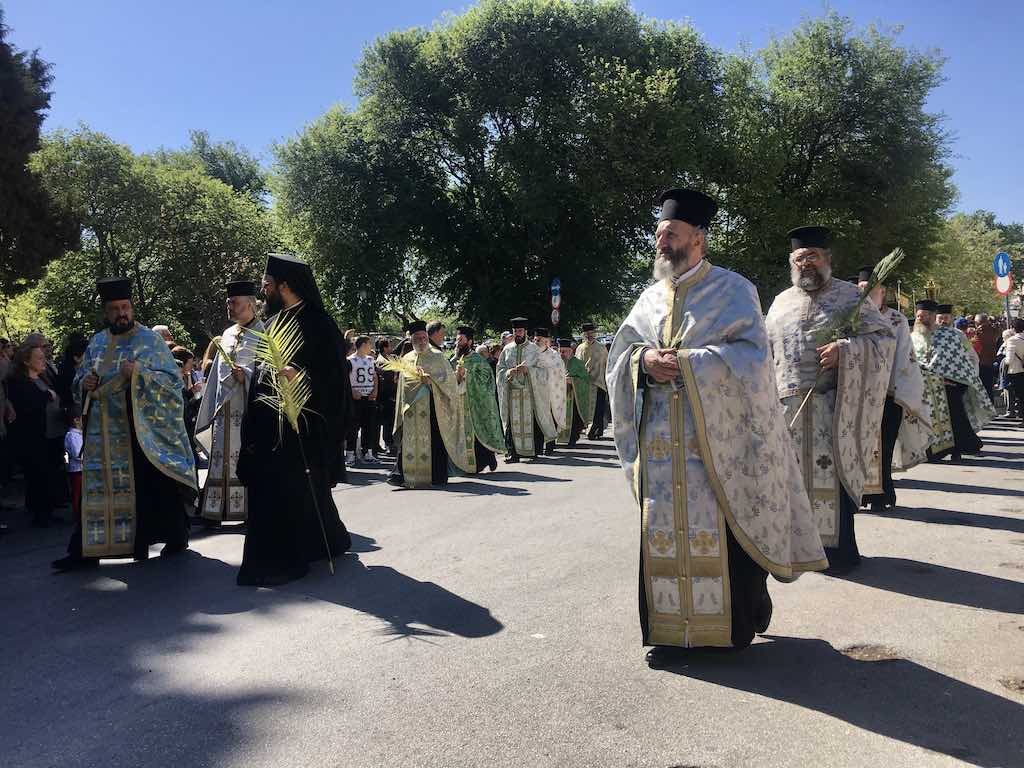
73	449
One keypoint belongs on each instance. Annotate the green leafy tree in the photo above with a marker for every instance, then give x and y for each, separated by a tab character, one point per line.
32	231
830	126
225	161
527	139
519	142
176	232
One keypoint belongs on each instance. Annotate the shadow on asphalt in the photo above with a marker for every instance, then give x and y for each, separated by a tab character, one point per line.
78	647
952	517
898	699
993	464
522	477
937	582
931	485
472	488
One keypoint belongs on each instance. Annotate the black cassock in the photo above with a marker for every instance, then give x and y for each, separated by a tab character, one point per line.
965	440
283	534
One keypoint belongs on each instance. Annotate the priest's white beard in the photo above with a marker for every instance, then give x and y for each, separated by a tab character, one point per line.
810	279
421	346
923	328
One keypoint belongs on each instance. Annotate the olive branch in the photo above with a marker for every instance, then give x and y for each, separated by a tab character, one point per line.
847	324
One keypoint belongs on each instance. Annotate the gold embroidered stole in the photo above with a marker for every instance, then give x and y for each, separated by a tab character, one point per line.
520	403
684	543
108	482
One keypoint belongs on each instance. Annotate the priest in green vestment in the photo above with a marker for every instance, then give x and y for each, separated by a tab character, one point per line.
428	416
138	469
523	399
479	404
701	436
577	395
941	352
595	358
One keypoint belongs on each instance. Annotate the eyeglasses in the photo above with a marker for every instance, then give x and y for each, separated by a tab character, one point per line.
806	256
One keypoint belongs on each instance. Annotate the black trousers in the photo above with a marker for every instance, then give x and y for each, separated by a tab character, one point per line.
386	422
964	438
988	378
845	554
1017	393
748	587
363	425
600	412
36	464
892	418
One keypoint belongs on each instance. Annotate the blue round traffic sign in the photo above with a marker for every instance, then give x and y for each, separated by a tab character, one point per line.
556	286
1001	264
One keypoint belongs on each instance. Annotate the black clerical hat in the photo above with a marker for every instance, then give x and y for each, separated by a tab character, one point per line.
864	274
944	309
687	205
519	322
810	237
542	332
114	288
586	327
416	325
241	288
565	343
466	331
284	266
927	305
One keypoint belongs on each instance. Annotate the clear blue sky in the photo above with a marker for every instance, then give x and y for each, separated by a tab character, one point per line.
256	71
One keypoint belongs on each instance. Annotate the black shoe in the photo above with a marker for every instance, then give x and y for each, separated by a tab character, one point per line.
764	614
69	563
170	550
664	656
492	464
395	480
877	507
549	451
511	459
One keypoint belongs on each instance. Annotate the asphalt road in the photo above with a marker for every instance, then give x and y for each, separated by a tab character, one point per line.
495	624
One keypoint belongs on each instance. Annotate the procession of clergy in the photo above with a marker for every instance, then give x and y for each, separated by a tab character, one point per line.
748	441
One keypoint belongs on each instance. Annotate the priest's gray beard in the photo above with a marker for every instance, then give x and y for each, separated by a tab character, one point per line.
668	265
810	278
421	346
923	328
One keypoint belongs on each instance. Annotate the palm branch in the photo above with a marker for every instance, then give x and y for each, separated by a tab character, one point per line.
278	345
229	359
276	349
404	367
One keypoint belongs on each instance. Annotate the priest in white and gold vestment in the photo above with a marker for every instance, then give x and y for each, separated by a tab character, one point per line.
219	423
700	434
836	434
523	396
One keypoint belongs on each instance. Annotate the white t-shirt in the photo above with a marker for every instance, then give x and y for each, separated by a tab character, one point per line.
363	373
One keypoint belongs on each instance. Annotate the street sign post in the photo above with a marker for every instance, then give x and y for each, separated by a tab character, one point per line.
1001	264
556	302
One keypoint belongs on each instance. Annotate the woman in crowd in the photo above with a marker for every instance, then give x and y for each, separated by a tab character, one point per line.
34	402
